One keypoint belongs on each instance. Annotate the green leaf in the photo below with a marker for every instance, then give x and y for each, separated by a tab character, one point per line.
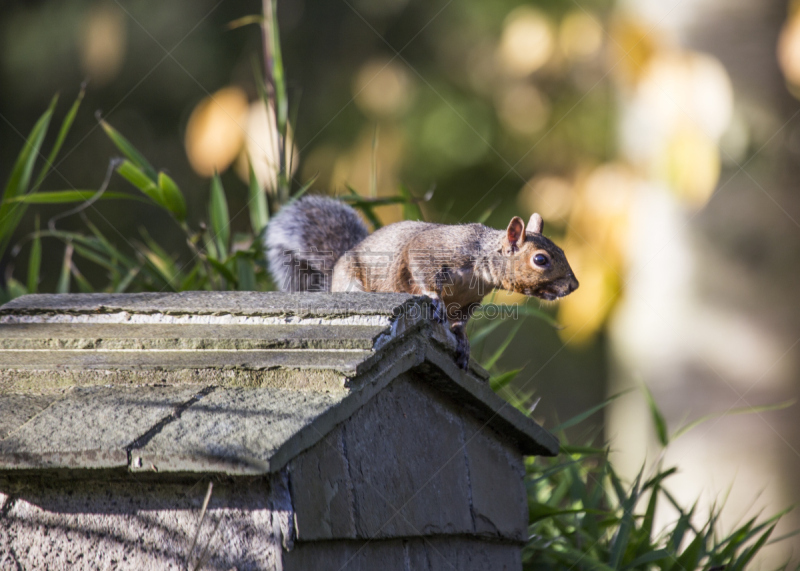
303	189
530	311
586	414
683	525
127	280
503	379
66	266
21	174
648	557
134	175
218	214
172	196
538	512
650	513
104	246
94	257
35	260
364	205
160	269
693	552
83	284
224	271
411	209
66	125
245	273
584	450
67	196
628	503
749	553
658	419
194	280
476	338
579	559
10	217
356	200
257	203
130	152
746	532
275	97
19	179
744	410
161	260
278	77
503	346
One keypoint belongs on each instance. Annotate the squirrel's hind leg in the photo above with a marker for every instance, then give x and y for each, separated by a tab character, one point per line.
459	317
459	329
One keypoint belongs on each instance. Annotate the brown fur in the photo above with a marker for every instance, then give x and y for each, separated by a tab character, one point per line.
455	266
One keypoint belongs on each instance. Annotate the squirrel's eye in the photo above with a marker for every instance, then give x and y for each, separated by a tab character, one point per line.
541	260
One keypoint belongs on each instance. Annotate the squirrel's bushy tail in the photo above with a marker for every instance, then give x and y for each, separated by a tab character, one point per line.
305	239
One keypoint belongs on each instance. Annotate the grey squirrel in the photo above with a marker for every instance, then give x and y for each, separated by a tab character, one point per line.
321	244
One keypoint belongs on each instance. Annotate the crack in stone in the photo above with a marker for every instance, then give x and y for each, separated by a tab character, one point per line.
142	441
469	477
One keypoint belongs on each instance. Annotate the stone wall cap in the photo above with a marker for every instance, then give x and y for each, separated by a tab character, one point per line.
214	303
215	382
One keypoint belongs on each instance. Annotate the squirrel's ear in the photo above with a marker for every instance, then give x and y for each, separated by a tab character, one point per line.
515	233
535	224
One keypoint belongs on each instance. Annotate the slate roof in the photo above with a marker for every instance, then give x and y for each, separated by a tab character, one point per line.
235	382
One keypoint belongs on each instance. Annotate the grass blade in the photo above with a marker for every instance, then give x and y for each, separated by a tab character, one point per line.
257	203
245	273
172	196
66	125
83	284
586	414
21	174
303	189
628	503
483	332
649	557
19	179
68	196
503	379
537	313
224	271
218	215
411	209
66	266
125	282
364	205
744	410
130	152
502	349
35	261
137	177
749	553
659	422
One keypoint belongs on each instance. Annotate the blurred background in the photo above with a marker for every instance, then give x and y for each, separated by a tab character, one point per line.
658	139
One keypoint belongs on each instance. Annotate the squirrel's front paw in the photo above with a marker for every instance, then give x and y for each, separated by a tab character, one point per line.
439	312
462	353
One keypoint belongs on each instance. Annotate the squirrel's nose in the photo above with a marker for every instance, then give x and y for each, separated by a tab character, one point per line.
573	284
